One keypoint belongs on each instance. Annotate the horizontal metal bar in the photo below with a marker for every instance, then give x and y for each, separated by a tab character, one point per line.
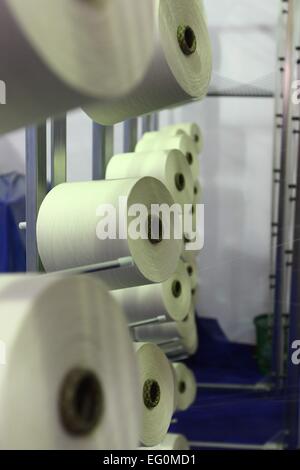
93	268
169	341
258	387
224	445
149	321
238	95
177	358
176	354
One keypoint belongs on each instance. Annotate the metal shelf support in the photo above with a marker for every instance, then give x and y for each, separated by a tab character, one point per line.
36	189
103	149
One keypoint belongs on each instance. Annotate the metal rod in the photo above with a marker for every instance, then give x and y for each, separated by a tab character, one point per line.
130	135
177	353
155	121
149	321
167	342
225	445
93	268
36	189
179	357
276	173
146	123
58	150
258	387
22	225
223	94
103	149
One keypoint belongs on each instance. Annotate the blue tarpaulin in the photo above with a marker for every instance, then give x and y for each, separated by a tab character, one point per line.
12	211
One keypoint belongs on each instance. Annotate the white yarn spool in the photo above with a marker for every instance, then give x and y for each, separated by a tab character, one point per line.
60	54
172	337
190	128
192	271
70	379
185	386
154	141
67	231
180	70
171	298
169	166
198	192
170	442
156	392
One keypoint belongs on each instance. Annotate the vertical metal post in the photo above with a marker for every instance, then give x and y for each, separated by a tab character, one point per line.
281	288
278	116
146	123
103	149
58	150
130	135
155	121
293	382
293	378
36	189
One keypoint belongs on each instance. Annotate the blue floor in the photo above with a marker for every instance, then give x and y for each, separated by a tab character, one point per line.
228	415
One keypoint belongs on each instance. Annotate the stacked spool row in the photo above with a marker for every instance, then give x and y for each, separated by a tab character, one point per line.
69	236
71	371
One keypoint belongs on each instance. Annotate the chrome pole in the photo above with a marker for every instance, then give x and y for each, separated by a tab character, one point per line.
130	135
103	149
281	289
36	189
58	150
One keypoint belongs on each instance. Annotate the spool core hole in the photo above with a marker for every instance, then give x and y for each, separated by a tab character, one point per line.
176	289
182	386
179	181
80	402
190	270
189	158
151	394
186	39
